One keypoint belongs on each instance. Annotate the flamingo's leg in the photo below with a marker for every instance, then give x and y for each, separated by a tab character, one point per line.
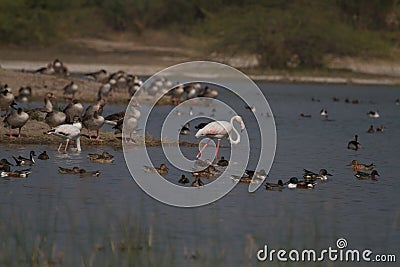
202	149
216	151
66	145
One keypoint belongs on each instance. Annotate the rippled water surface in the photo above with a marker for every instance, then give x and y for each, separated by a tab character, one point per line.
78	214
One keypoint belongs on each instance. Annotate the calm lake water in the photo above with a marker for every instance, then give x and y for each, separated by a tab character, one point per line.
83	217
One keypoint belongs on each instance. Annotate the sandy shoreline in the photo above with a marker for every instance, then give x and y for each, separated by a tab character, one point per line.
149	70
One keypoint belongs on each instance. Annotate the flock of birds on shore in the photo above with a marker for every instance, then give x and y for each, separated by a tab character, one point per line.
68	123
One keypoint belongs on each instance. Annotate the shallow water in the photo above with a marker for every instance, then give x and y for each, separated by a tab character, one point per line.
77	213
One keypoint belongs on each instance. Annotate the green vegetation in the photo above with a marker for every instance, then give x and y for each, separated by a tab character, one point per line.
281	33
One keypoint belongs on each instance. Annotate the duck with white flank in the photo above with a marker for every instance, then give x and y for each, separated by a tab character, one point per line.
21	161
354	144
219	130
295	183
364	175
17	119
373	114
68	132
323	112
312	176
6	172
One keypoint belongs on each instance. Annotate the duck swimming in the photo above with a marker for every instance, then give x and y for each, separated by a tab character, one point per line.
248	176
271	186
74	170
43	156
163	169
4	163
354	144
359	166
223	162
373	114
197	182
295	183
365	175
21	161
15	174
312	176
183	180
104	157
371	129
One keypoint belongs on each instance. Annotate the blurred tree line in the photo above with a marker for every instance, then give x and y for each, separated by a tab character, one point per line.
282	33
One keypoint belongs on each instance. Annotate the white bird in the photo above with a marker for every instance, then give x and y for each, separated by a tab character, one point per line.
219	130
69	131
373	114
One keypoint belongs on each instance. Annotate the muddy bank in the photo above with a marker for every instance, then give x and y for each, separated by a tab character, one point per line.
34	132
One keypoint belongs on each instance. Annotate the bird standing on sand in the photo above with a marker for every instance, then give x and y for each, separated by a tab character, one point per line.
219	130
17	119
94	123
6	99
71	89
68	132
73	109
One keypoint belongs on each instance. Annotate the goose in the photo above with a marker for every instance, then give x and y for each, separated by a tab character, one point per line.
68	132
89	112
98	76
71	89
94	124
17	119
6	99
73	109
24	93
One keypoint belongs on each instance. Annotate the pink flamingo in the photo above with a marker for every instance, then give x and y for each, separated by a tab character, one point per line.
219	130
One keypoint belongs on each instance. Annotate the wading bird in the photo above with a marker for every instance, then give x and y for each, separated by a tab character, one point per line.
219	130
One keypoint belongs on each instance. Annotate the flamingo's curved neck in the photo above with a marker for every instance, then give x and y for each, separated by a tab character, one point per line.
235	142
